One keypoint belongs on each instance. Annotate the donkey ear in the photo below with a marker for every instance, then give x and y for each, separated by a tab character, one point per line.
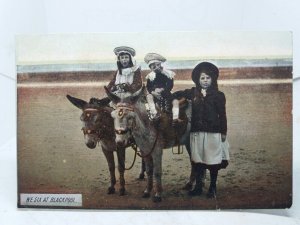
115	99
79	103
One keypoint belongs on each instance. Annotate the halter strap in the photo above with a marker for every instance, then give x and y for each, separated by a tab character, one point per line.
91	110
125	107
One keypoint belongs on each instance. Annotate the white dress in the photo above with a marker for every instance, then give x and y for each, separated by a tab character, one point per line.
208	148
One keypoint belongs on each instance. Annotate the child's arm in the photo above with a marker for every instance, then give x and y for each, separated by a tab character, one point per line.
223	137
169	85
221	109
187	93
137	82
149	86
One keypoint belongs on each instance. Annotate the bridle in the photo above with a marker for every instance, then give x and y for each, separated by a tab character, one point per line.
93	129
100	134
121	107
121	112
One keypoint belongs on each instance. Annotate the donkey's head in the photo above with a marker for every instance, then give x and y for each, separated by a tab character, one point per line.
97	122
124	123
124	116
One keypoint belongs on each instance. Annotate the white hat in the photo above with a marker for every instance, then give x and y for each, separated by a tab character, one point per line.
124	49
154	57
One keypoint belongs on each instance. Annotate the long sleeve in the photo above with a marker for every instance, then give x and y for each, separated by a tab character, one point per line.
169	85
149	86
221	109
137	82
187	93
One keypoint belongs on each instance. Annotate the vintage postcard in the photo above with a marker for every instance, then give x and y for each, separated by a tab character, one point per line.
155	120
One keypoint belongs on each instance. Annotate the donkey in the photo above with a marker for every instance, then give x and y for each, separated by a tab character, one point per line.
98	127
130	116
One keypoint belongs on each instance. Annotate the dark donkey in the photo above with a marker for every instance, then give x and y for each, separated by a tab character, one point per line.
98	127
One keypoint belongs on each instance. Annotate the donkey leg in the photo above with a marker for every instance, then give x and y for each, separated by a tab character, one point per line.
189	185
142	172
157	169
111	165
121	168
149	171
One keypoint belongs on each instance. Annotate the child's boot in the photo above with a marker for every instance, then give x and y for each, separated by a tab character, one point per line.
212	191
198	187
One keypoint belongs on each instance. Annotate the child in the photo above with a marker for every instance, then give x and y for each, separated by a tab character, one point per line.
159	85
209	125
126	80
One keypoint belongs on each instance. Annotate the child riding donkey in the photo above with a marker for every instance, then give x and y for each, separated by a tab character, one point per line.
127	79
160	82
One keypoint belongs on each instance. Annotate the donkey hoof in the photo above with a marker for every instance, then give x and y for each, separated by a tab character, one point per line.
141	176
188	186
111	190
156	199
122	191
146	195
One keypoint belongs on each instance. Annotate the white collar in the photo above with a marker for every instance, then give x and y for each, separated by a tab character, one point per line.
128	71
152	75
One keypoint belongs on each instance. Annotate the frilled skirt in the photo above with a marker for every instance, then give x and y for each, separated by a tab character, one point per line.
208	148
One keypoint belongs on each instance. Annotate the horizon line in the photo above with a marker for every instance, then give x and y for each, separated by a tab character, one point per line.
67	62
176	82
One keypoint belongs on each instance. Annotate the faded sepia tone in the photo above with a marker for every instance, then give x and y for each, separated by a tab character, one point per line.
53	158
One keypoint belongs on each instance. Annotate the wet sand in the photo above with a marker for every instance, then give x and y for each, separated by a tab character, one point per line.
52	156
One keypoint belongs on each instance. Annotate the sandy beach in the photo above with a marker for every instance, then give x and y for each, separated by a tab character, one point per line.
52	156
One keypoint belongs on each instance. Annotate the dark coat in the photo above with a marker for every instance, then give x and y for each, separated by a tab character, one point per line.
161	81
208	113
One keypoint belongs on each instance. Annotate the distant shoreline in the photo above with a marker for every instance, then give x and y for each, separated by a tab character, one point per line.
231	82
283	72
172	64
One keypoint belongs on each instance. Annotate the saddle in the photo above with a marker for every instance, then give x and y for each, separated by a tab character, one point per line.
170	132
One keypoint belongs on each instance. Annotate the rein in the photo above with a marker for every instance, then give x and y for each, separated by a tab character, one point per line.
134	147
154	144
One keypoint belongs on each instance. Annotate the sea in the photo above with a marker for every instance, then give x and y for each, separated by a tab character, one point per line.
175	64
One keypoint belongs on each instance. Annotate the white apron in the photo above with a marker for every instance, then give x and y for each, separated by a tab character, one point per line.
126	78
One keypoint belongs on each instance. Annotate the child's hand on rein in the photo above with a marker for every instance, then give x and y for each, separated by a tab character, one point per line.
223	137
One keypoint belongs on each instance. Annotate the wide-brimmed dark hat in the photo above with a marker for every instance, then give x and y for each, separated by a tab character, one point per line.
205	67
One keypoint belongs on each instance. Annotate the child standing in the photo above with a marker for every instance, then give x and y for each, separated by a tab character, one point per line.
209	125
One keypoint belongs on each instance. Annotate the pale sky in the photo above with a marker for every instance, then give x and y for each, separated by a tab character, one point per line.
95	48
